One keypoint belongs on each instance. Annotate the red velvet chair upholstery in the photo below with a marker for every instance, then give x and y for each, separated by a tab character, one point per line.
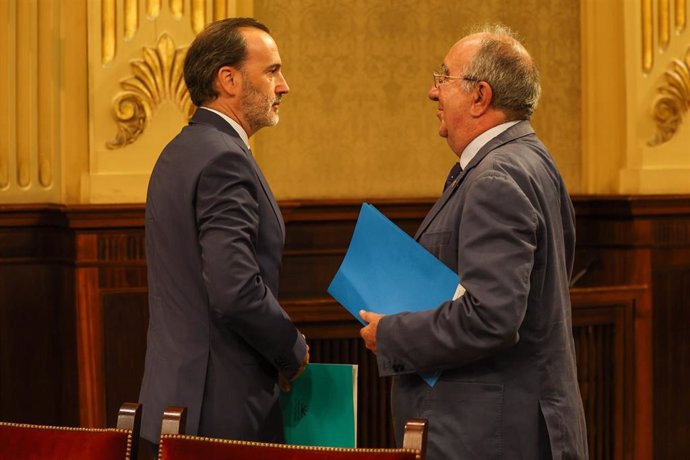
175	446
20	441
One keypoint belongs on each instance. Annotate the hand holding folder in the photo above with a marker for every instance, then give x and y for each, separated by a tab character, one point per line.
386	271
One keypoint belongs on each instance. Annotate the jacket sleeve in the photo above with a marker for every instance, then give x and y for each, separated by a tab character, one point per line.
497	242
227	213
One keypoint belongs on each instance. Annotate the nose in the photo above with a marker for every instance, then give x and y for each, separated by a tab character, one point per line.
433	93
281	84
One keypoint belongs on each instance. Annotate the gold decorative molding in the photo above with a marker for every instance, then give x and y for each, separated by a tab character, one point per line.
129	14
198	15
131	18
670	16
156	78
108	30
664	23
33	95
177	8
673	101
153	8
647	35
681	18
220	10
26	102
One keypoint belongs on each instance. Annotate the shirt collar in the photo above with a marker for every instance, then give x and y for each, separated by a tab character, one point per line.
236	126
481	140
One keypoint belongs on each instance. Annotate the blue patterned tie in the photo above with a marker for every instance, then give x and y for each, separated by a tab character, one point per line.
454	172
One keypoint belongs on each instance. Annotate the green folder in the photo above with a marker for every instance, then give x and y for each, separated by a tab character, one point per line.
321	408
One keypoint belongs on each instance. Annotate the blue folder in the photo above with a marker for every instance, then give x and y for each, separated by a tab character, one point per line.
386	271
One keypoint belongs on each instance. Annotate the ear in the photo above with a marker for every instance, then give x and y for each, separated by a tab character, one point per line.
228	80
482	97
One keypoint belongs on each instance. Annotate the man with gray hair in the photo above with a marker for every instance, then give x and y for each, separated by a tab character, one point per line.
505	223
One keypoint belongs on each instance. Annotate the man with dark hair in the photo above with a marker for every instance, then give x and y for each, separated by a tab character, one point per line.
219	343
505	223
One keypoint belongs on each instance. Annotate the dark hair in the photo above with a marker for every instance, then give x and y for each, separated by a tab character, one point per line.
505	64
219	44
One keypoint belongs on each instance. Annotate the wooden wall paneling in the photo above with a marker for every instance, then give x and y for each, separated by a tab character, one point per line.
644	375
610	353
30	344
37	383
672	352
599	266
646	240
109	255
68	350
109	288
125	323
669	266
318	236
644	355
111	268
314	247
598	381
90	349
124	303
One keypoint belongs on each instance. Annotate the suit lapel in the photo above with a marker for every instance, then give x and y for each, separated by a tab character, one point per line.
267	191
516	131
440	203
207	117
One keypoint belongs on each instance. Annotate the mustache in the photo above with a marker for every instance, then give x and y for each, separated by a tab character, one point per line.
278	99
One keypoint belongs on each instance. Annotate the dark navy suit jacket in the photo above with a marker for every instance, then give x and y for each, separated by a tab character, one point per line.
217	335
509	384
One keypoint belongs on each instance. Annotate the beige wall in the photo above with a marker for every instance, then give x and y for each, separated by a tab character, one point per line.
357	123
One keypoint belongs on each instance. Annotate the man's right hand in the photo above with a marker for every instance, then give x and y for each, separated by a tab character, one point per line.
283	381
303	366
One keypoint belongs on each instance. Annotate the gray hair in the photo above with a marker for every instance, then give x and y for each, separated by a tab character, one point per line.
507	67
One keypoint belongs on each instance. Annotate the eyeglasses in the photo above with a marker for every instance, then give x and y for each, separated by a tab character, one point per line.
440	78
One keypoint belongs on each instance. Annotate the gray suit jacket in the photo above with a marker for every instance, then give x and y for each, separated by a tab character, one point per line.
217	336
509	385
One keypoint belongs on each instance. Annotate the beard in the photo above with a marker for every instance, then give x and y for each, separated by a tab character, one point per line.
257	107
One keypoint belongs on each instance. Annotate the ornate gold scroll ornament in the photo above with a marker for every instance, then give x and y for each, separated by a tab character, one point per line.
673	101
155	78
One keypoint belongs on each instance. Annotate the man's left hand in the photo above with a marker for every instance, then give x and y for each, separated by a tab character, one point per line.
368	332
